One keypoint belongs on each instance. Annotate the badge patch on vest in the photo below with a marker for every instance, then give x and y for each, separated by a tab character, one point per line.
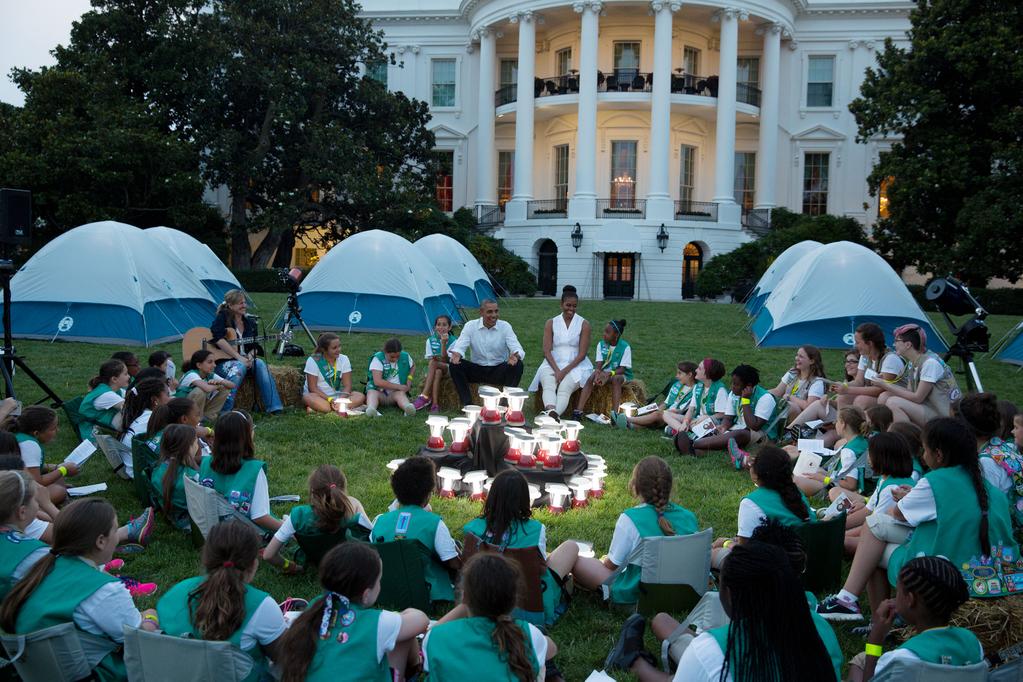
401	527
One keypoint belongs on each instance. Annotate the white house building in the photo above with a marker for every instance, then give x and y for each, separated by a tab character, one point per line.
618	144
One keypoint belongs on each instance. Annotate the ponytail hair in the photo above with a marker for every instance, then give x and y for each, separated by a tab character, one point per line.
855	419
937	583
107	371
323	342
954	440
506	503
75	532
347	571
327	488
139	399
651	481
890	455
171	412
773	468
490	587
17	488
569	292
618	326
231	297
873	335
232	442
33	419
176	451
979	411
217	604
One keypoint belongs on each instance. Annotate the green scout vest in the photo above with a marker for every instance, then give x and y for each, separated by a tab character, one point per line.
955	531
71	582
758	393
350	648
522	535
613	360
25	438
401	369
773	506
238	487
625	588
175	616
88	407
860	468
415	523
678	397
827	635
704	397
183	391
329	372
465	647
887	481
154	442
178	504
14	548
945	646
305	521
435	343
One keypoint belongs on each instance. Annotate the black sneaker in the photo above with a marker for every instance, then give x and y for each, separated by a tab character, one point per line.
553	414
629	645
861	630
837	609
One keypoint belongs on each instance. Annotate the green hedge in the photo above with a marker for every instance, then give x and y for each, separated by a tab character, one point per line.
995	301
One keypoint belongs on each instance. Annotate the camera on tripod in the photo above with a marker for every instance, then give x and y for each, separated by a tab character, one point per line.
952	297
290	279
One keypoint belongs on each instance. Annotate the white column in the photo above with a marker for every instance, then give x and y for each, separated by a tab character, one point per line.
584	202
767	150
523	191
659	205
486	167
724	164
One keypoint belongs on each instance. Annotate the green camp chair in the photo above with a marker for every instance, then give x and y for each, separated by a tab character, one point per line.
824	543
143	461
152	657
314	546
59	653
83	425
403	584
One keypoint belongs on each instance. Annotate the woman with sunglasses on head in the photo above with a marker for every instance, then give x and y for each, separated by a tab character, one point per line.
931	388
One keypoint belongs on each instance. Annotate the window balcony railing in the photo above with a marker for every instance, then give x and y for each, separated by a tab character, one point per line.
621	208
747	94
546	208
757	220
696	210
506	94
488	215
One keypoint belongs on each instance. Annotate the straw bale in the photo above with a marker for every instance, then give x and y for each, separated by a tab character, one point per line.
447	396
997	622
634	391
289	385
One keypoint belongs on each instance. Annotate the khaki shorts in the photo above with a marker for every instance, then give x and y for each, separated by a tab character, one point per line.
678	646
887	529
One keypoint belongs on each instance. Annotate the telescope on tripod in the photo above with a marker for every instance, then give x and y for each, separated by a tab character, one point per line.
952	297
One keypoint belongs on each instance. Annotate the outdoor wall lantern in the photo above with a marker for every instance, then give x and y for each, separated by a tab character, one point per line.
577	236
662	238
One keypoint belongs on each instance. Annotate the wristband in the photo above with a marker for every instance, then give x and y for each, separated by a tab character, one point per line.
727	543
744	401
827	480
152	617
330	401
286	564
874	650
62	469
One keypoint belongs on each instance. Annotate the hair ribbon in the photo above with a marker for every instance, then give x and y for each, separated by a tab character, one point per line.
615	325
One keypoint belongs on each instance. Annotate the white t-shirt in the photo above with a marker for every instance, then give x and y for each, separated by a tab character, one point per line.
36	528
721	400
138	427
626	356
428	352
191	377
539	646
443	543
104	401
994	474
702	661
392	374
287	530
26	564
751	516
918	506
624	540
906	655
880	501
265	626
816	389
342	366
763	409
932	371
847	458
260	505
890	364
107	610
31	453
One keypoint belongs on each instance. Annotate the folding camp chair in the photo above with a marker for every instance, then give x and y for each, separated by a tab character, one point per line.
403	584
144	460
904	670
1007	672
314	546
153	657
707	614
84	426
531	565
59	653
824	543
207	508
117	453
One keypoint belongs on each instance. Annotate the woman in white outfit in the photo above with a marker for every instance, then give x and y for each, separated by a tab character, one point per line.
566	341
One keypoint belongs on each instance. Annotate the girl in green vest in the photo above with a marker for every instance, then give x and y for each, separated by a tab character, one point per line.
710	397
803	384
413	482
437	345
613	365
328	375
105	398
341	636
18	509
747	412
389	379
671	412
179	457
848	469
330	509
507	523
656	516
479	638
200	384
952	511
234	472
892	464
177	411
1000	462
222	605
66	585
35	427
914	437
928	592
776	497
144	397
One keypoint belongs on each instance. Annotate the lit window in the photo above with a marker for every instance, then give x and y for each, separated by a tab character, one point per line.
745	178
505	176
687	174
623	174
882	197
815	183
445	160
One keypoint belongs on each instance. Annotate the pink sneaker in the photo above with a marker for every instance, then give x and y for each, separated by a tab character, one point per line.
421	402
138	589
113	566
435	409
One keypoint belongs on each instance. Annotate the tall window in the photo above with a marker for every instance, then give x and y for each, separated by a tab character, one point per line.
626	60
623	173
691	60
745	178
444	184
815	183
882	198
505	176
561	173
748	71
509	72
563	61
820	81
687	174
377	71
443	82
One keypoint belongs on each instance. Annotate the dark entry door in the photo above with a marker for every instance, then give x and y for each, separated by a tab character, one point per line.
692	260
547	269
619	275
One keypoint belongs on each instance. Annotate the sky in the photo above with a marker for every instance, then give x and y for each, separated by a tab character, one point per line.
29	29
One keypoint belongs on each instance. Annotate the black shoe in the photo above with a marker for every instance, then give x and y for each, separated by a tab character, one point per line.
551	672
629	645
553	414
577	415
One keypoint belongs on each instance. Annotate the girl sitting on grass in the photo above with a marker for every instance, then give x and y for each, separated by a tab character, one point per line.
1000	462
177	411
328	375
803	384
18	509
709	400
144	397
389	379
105	398
203	386
879	418
36	427
179	457
671	412
613	365
914	438
437	345
848	468
892	464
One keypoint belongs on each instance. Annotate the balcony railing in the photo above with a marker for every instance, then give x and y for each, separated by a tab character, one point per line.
488	216
696	210
506	94
747	94
757	220
546	208
621	208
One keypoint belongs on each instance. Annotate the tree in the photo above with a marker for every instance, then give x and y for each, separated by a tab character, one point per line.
954	177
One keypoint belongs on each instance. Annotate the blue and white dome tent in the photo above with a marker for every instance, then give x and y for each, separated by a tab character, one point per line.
198	257
785	261
831	291
1010	348
376	281
106	283
468	280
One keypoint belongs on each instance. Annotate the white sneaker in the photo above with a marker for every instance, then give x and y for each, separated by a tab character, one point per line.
372	412
410	410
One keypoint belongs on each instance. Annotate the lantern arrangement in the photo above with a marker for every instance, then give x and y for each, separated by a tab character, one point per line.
571	444
516	398
490	414
476	482
437	423
460	427
527	446
448	479
558	495
580	486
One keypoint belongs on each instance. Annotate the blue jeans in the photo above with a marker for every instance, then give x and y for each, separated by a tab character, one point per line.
235	370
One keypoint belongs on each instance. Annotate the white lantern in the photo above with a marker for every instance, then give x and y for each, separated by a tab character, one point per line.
516	398
534	494
553	460
341	405
580	486
559	494
545	421
527	445
628	409
596	476
459	428
586	549
437	424
571	444
393	465
476	480
448	477
514	452
592	460
472	413
490	397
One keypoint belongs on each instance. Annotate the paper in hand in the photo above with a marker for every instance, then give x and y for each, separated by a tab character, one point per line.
646	409
83	490
870	375
81	453
810	445
701	429
808	463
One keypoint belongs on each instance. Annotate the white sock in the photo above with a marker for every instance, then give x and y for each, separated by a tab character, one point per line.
847	597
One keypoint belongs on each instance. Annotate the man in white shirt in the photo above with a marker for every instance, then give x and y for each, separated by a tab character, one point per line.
496	353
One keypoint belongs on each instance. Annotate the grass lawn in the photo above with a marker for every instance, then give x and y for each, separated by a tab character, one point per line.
661	334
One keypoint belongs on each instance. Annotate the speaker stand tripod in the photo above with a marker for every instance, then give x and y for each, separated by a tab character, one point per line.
9	359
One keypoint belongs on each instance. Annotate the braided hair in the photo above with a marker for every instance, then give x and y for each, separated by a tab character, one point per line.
958	447
651	480
771	635
491	584
937	583
773	468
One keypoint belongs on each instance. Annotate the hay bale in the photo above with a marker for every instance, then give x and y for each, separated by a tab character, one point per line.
289	382
599	402
447	396
997	622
